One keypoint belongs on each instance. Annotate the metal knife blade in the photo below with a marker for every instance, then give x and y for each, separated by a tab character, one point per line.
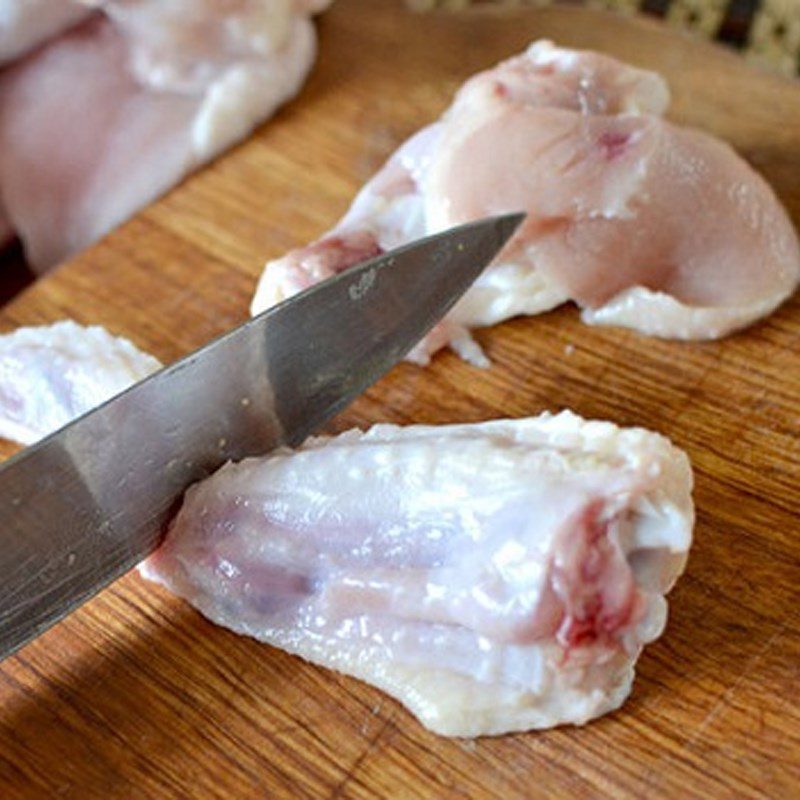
86	504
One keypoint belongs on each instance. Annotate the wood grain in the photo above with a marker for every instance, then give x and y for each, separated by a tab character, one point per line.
136	695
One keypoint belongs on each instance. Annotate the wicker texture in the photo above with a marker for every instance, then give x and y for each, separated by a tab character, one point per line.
767	31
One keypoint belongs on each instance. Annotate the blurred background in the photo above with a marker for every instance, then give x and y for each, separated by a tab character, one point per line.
767	31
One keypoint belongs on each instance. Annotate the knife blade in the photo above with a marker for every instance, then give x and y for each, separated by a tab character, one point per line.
86	504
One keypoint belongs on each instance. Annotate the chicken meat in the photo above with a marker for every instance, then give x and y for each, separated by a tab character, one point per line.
493	577
111	102
642	223
51	374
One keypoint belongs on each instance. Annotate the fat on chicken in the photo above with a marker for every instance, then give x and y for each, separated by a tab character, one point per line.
492	577
642	223
51	374
105	104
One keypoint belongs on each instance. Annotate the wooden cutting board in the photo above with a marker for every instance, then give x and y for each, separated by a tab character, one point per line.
136	695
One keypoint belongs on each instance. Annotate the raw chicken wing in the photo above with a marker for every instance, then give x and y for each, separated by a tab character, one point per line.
50	375
107	115
642	223
493	577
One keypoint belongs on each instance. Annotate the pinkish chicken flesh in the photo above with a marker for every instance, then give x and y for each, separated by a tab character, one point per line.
640	222
492	577
51	374
111	102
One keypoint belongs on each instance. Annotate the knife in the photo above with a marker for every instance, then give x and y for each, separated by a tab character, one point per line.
84	505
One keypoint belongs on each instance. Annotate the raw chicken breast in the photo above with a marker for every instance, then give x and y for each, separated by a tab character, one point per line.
24	24
494	577
155	88
640	222
52	374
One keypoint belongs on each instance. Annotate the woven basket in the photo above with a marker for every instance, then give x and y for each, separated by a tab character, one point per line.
766	31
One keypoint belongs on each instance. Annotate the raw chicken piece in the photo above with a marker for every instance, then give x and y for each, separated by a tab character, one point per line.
493	577
52	374
24	24
155	88
641	223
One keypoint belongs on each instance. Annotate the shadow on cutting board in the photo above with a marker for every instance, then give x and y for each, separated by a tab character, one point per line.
162	703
